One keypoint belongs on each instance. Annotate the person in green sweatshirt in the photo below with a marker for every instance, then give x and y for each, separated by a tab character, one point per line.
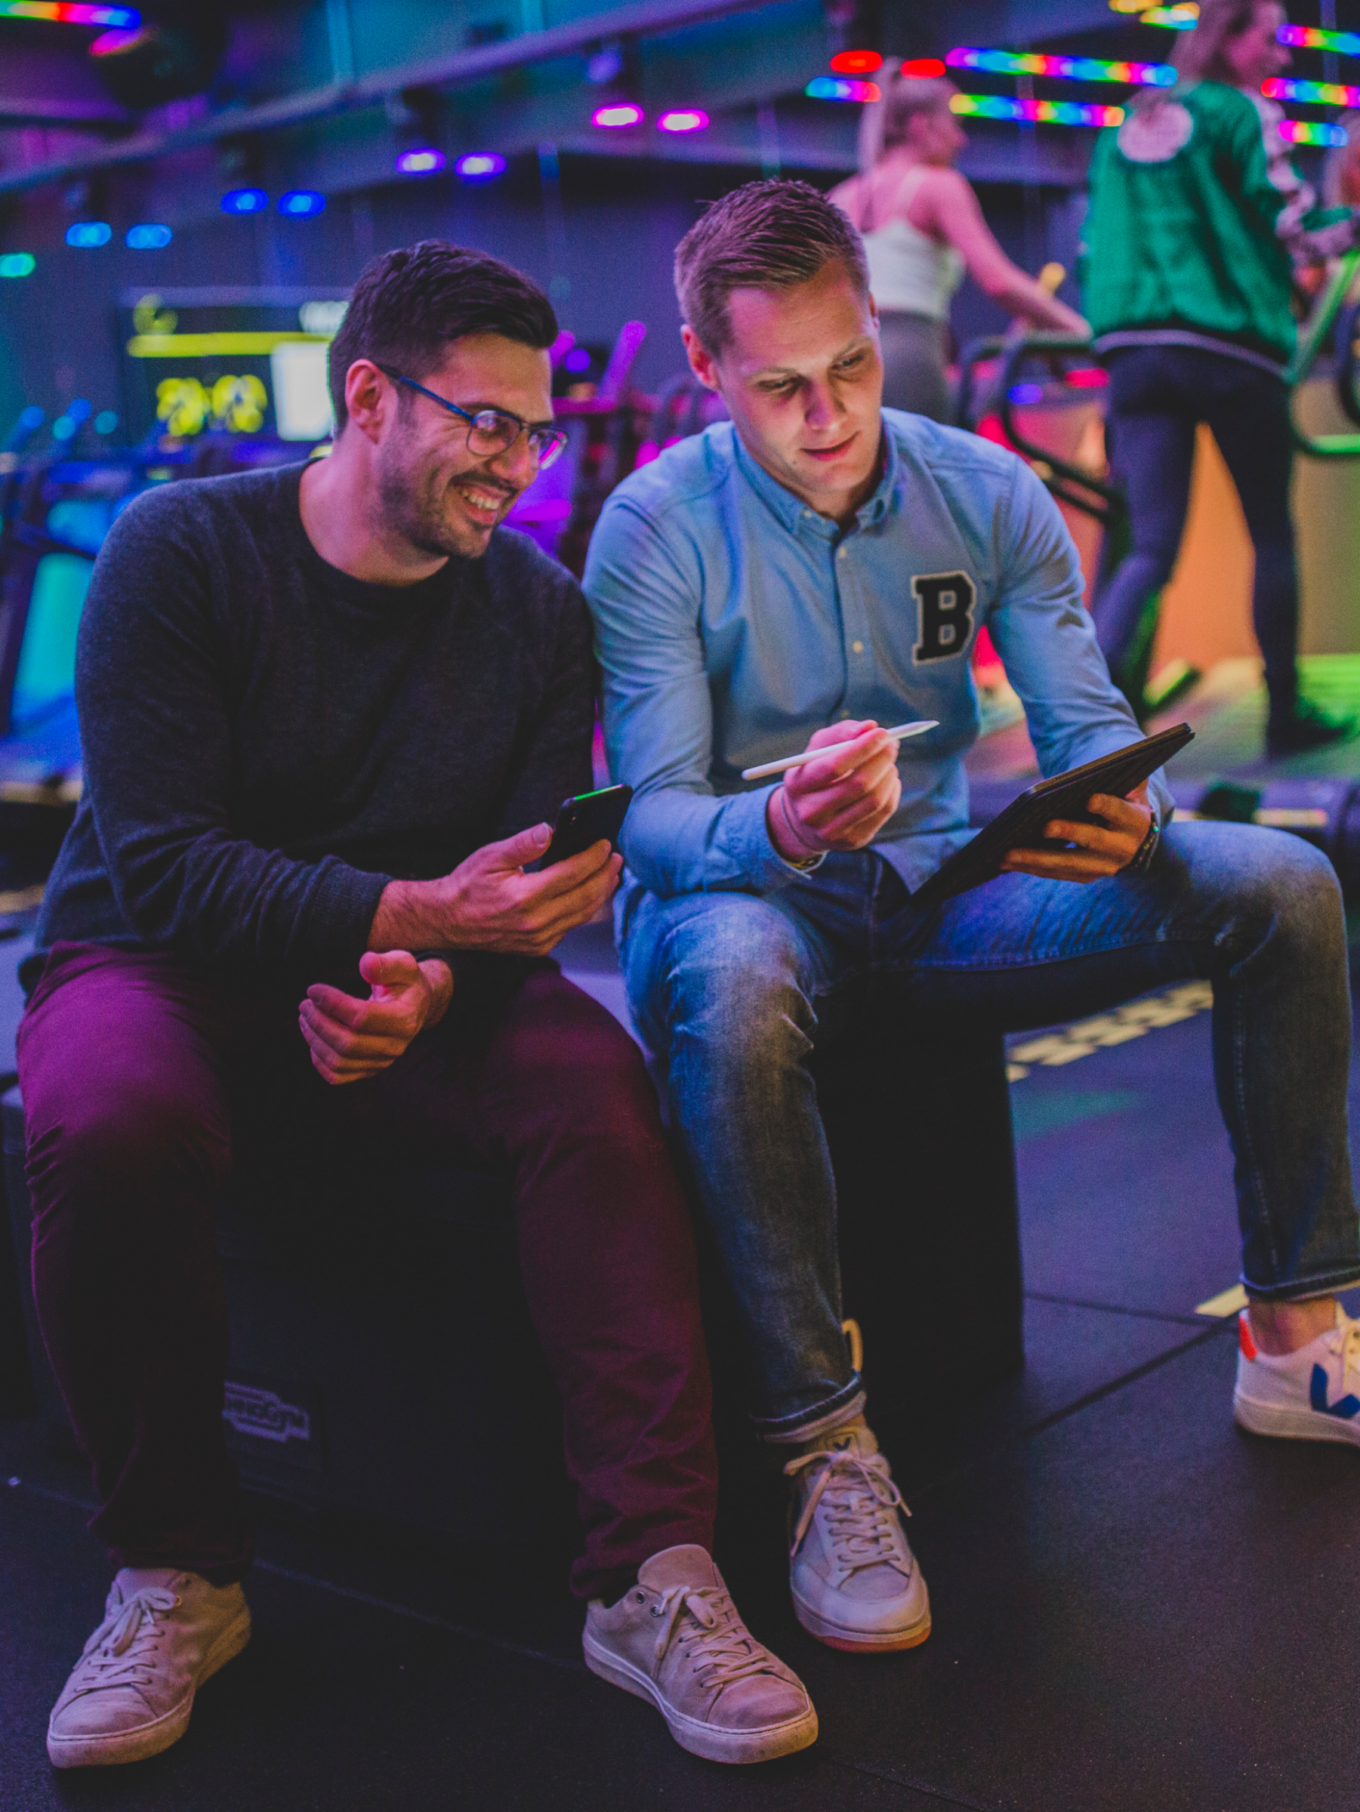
1196	221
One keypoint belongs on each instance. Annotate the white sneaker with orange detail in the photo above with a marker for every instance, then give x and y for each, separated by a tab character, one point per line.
1309	1395
854	1579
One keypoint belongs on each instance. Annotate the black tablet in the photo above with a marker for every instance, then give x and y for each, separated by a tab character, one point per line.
1021	825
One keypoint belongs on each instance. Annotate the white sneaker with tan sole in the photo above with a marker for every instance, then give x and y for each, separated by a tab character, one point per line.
676	1640
854	1579
164	1633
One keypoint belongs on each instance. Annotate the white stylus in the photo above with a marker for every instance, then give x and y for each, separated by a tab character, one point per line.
832	748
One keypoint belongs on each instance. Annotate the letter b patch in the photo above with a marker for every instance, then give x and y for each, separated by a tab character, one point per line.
944	607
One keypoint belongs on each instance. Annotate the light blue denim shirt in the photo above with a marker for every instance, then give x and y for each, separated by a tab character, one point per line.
731	622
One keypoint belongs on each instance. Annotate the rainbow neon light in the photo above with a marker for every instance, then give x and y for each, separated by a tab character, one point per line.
841	88
62	13
1179	18
1308	132
1065	69
1322	94
1308	37
1044	113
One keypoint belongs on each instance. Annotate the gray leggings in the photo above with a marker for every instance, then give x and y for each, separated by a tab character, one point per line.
913	364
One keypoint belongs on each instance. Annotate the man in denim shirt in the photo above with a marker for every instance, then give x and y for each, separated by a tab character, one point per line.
800	575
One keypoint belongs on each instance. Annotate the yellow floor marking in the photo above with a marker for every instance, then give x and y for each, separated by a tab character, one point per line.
1227	1302
1088	1035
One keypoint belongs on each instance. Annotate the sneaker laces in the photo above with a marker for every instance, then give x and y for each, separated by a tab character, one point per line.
861	1501
712	1637
121	1651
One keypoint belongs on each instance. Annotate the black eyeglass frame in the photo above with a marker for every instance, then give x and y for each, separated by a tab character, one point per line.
556	438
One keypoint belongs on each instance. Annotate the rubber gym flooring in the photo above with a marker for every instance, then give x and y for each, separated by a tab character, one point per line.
1136	1605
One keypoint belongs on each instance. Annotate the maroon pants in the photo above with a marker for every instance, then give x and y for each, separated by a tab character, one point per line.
141	1077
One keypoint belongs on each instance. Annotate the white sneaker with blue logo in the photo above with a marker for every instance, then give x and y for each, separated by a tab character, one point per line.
1309	1395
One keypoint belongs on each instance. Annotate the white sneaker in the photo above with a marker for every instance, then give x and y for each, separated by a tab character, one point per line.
164	1633
1309	1395
855	1582
676	1640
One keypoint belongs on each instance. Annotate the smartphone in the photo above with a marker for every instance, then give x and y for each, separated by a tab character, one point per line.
585	819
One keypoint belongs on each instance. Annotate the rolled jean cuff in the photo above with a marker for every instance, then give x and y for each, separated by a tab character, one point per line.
831	1412
1307	1289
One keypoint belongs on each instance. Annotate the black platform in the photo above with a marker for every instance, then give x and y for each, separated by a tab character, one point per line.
1137	1607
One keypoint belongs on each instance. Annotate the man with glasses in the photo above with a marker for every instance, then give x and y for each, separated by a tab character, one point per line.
327	712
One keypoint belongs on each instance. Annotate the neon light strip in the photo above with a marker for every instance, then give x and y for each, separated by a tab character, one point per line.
215	345
1307	132
1322	94
1308	37
1178	18
841	88
66	12
1065	69
1046	113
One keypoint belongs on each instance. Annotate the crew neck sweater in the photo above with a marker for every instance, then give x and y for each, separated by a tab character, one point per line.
267	741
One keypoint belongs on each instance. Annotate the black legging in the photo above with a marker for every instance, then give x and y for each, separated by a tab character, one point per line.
1157	396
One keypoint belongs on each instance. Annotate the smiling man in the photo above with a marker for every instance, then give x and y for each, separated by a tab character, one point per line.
326	713
815	568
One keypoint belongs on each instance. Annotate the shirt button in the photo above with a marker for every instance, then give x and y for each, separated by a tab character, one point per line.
841	552
857	647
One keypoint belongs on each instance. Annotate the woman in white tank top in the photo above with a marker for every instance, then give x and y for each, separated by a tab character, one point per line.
923	229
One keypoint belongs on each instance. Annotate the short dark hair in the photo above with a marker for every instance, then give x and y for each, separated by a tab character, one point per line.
765	235
408	305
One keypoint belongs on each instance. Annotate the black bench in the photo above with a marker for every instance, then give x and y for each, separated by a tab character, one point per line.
394	1379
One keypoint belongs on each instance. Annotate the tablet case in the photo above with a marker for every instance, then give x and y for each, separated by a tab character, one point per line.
1064	796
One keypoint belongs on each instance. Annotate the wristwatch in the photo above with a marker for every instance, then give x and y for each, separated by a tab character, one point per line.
1147	849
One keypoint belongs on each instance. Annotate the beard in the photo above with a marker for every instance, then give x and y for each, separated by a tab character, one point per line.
413	503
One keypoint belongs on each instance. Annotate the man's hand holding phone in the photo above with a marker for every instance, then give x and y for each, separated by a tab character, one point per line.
840	803
490	903
1101	849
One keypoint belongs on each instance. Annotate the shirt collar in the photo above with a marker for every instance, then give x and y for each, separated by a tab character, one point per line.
794	514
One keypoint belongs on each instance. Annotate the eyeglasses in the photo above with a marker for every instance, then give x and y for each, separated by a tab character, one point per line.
493	431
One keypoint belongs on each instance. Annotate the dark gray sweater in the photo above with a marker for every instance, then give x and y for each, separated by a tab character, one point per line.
268	741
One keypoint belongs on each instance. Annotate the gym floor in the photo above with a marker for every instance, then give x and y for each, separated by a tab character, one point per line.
1136	1605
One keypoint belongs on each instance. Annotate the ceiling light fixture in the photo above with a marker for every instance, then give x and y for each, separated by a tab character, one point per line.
244	201
480	166
149	237
301	204
683	119
421	160
615	114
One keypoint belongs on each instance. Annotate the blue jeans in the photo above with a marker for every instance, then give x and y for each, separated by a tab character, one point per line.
1157	396
733	990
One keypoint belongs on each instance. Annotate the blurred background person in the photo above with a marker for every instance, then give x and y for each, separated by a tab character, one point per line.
923	231
1198	220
